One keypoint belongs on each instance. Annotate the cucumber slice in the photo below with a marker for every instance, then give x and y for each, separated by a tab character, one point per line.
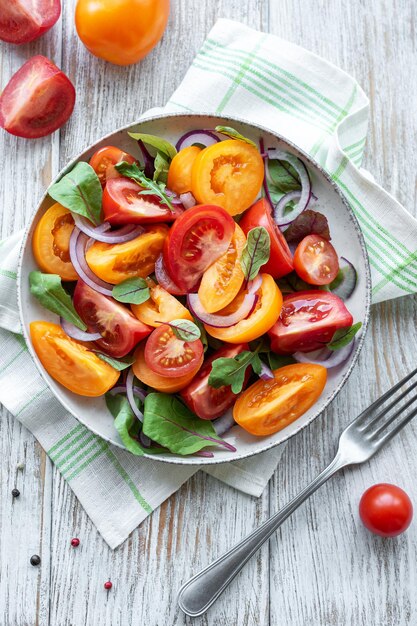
345	282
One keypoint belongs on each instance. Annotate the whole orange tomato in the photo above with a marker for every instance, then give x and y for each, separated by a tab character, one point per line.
121	31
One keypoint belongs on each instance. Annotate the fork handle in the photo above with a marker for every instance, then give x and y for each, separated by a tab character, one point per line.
202	590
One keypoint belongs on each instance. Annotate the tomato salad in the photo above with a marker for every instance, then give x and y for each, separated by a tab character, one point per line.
202	289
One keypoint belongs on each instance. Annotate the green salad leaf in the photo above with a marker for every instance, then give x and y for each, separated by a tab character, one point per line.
48	289
230	372
127	425
256	252
131	170
118	364
234	134
203	334
80	191
282	179
279	360
161	145
344	336
132	291
185	330
161	165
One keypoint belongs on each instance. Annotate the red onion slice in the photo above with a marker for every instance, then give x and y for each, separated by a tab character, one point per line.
75	333
204	453
144	440
137	391
165	280
100	233
255	284
131	396
221	321
148	160
266	373
279	210
188	200
77	247
205	137
224	423
326	357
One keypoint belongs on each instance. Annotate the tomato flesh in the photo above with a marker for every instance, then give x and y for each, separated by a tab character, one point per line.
25	20
120	329
308	321
206	401
38	99
50	242
167	355
164	384
160	308
179	173
104	160
386	510
316	261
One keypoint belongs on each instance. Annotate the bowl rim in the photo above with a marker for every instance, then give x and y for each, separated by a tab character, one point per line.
197	461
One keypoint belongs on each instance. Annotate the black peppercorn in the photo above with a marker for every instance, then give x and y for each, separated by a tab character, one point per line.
35	559
15	493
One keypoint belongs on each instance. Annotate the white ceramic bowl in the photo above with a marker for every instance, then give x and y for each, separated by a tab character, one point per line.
346	237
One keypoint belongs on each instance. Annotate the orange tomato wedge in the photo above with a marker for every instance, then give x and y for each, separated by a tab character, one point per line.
164	384
50	242
179	173
161	308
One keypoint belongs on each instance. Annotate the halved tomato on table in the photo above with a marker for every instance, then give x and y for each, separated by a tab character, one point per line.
206	401
164	384
316	261
280	259
24	20
180	169
167	355
160	308
270	405
70	362
50	242
104	160
120	329
197	239
308	321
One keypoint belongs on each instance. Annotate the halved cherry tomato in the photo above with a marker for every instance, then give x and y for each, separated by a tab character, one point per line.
25	20
164	384
316	261
386	510
280	258
70	362
50	242
228	173
179	173
206	401
262	318
270	405
37	100
123	203
167	355
120	329
197	239
104	160
117	262
161	307
222	281
308	320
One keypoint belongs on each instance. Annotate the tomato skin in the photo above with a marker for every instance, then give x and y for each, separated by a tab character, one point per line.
121	330
70	362
50	242
104	160
308	320
164	384
197	239
205	401
167	355
316	261
262	318
280	259
161	308
268	406
179	173
19	23
121	31
229	174
124	204
38	99
386	510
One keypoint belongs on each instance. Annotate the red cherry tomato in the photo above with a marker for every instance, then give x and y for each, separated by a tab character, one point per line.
104	160
196	240
316	261
386	510
124	204
169	356
208	402
38	100
308	320
24	20
280	259
121	330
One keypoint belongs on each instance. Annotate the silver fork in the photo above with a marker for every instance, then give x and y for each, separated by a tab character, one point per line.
362	438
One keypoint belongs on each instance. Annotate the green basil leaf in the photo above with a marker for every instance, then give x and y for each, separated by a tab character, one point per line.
185	330
344	336
230	372
161	145
132	291
127	425
80	191
161	165
256	252
131	170
118	364
174	426
48	289
233	134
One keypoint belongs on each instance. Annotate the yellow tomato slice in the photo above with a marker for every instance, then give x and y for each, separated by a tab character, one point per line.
270	405
229	174
262	318
117	262
179	173
70	362
161	308
222	281
50	242
164	384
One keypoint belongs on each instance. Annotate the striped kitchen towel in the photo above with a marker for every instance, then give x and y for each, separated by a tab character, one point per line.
263	79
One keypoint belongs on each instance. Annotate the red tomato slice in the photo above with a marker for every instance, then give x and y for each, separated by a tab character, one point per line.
38	100
308	320
124	204
104	160
316	261
208	402
169	356
196	240
280	258
121	330
24	20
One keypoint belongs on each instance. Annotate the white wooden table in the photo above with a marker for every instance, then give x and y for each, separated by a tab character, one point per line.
322	568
